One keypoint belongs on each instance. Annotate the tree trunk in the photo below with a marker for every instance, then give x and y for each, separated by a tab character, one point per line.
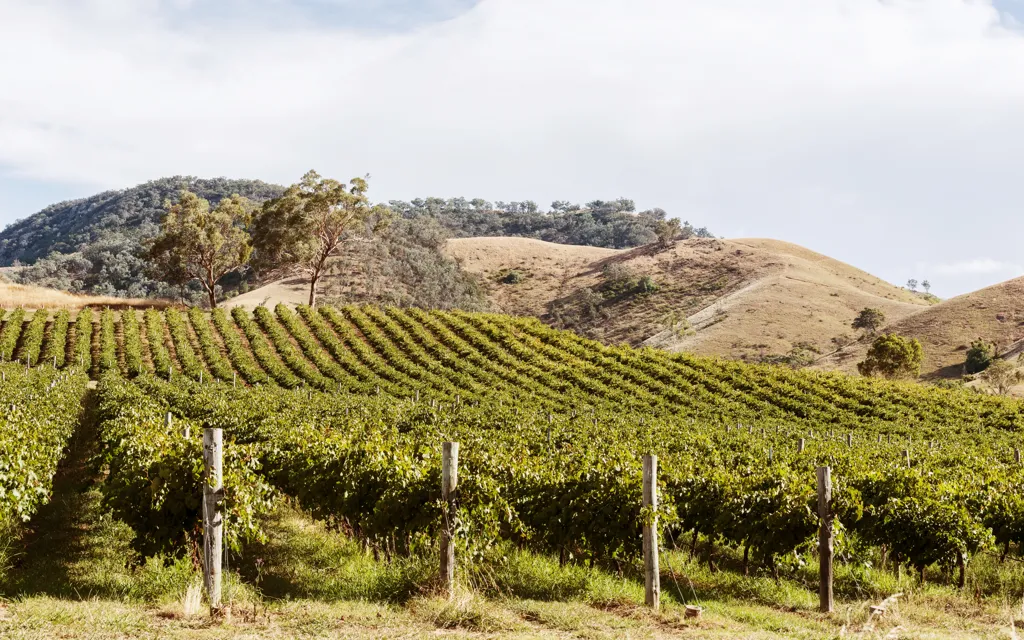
312	290
961	565
1006	552
746	559
212	292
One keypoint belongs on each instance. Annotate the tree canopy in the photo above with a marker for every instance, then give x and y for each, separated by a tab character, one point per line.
309	224
870	320
893	356
199	243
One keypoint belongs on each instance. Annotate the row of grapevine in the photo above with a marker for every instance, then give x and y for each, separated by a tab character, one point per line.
457	355
39	413
571	485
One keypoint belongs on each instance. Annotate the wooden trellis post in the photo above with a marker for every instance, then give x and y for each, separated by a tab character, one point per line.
213	518
825	539
449	488
652	575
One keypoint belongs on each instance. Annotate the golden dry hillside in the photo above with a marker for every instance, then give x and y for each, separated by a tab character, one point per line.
744	298
29	297
946	330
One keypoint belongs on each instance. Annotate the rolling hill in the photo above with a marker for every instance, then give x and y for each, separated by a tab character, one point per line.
745	299
995	314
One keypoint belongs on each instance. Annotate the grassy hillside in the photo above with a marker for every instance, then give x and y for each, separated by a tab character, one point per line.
995	314
744	299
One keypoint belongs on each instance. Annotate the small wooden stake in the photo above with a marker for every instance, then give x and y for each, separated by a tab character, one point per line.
800	446
652	576
1016	455
906	453
825	546
213	519
449	489
849	439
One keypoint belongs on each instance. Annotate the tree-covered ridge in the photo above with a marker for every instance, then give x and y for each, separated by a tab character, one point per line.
614	224
97	245
112	216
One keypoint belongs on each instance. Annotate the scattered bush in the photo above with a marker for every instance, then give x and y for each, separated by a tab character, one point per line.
979	356
893	356
513	277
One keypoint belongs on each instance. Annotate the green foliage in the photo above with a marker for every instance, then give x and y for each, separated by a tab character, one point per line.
55	351
83	339
599	223
132	343
677	322
240	357
199	243
287	351
870	320
262	351
309	223
32	338
97	245
1001	375
514	276
552	429
10	333
155	477
108	342
39	413
893	356
646	285
405	265
979	356
190	364
155	338
215	360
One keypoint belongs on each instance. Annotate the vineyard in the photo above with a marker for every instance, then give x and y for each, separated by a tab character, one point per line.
344	411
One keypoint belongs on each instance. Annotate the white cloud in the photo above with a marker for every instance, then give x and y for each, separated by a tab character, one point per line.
847	125
978	266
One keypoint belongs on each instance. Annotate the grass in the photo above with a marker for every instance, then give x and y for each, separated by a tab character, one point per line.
31	297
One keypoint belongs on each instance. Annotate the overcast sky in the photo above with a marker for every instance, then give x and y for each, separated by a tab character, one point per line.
886	134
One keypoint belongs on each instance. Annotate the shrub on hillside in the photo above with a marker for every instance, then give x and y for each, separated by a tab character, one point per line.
870	320
979	356
893	356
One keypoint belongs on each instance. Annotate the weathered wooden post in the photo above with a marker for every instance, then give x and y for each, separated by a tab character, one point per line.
200	376
906	454
234	379
800	446
849	439
213	519
449	487
769	455
825	540
652	575
1016	455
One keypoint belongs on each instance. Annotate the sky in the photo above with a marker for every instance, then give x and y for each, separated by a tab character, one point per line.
887	134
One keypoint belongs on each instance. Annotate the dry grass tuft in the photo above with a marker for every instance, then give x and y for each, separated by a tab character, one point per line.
29	297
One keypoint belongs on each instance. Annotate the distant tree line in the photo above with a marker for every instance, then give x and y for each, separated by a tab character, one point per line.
105	245
600	223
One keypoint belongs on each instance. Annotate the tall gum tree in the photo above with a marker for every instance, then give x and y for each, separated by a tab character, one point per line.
200	243
310	223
